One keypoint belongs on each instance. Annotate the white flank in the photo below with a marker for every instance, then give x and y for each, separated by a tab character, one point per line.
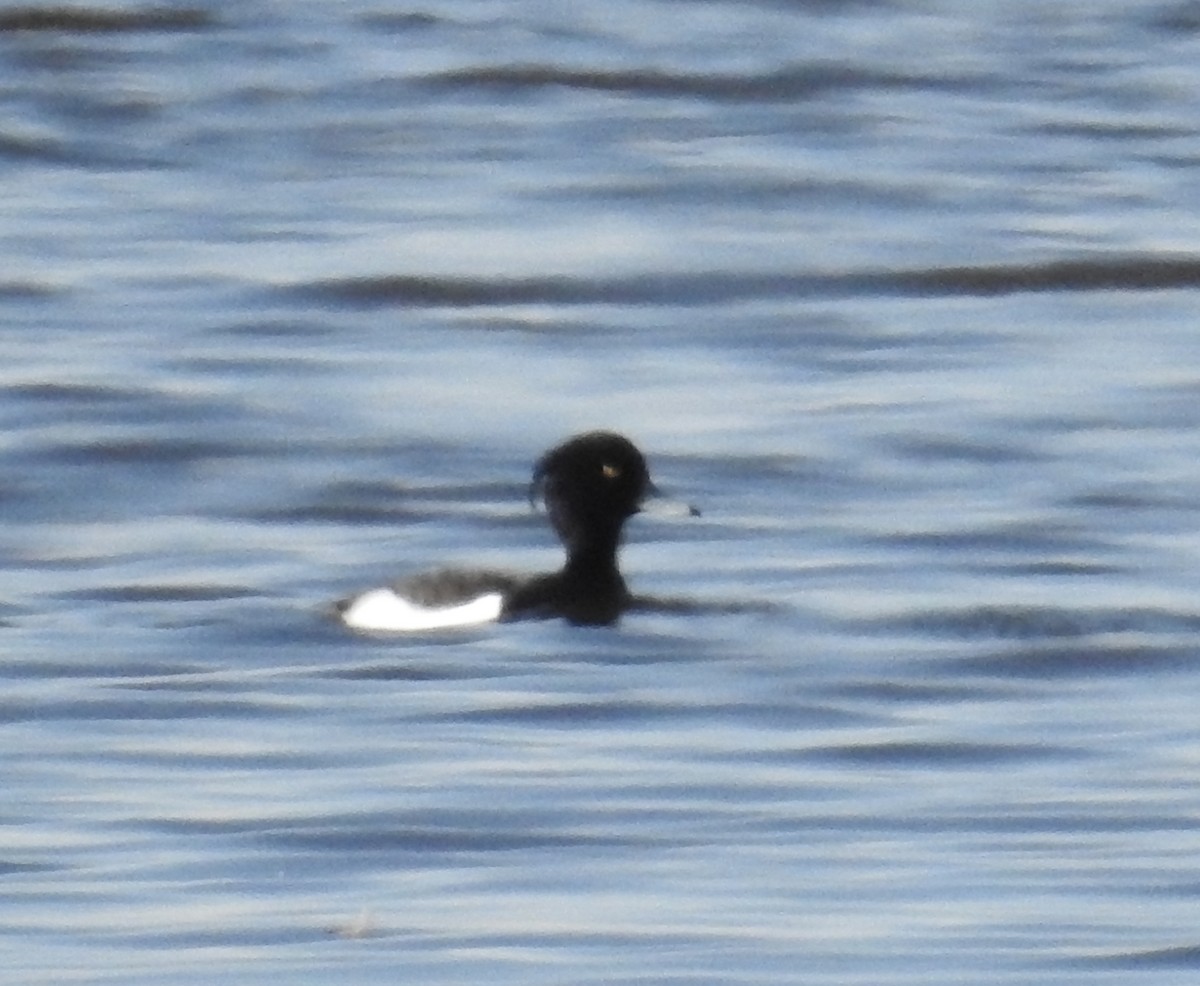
382	609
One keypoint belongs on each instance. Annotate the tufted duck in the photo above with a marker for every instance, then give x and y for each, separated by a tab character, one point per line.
591	484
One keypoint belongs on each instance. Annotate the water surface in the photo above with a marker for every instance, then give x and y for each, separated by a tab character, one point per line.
902	294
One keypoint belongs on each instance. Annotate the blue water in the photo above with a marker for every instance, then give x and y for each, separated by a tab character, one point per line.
902	294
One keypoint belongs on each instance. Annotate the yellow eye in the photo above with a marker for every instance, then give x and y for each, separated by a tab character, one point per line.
610	471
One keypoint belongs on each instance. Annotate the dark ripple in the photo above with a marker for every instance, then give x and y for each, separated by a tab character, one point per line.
436	840
620	712
91	20
1082	661
342	514
798	82
1119	273
610	712
40	149
1129	273
420	291
1180	957
707	190
792	469
680	606
137	708
98	403
17	290
938	754
160	593
889	692
275	329
1002	820
99	668
10	868
147	451
415	672
1017	537
1126	499
1032	622
78	393
1069	568
1178	18
1130	130
939	448
434	831
401	22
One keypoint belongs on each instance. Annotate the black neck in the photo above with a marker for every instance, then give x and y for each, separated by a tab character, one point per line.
595	556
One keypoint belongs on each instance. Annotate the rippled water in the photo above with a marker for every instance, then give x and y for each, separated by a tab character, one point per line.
902	294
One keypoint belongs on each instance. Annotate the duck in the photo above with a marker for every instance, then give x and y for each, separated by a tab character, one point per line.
590	484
